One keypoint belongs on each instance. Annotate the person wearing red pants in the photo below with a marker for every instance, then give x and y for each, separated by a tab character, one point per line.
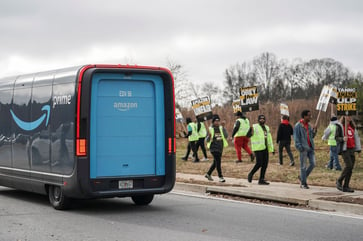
240	133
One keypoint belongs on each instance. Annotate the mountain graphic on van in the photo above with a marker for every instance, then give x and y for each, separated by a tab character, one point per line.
29	126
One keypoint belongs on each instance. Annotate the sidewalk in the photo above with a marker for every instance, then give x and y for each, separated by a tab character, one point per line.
276	191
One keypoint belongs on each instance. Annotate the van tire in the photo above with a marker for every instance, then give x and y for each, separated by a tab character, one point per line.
57	198
142	200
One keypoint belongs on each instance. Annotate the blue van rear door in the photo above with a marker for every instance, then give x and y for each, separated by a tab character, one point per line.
127	135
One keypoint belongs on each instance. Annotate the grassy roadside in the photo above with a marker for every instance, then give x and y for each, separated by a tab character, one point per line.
285	173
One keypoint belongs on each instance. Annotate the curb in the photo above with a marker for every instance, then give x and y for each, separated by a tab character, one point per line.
261	196
313	203
337	206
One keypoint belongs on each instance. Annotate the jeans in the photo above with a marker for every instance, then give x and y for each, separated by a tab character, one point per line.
304	170
334	159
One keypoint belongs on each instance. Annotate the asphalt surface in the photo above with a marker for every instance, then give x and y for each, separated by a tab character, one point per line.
315	197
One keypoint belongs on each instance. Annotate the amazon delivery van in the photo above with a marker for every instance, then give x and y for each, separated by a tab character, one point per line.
89	132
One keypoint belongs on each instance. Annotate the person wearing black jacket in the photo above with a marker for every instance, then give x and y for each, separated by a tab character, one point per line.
284	133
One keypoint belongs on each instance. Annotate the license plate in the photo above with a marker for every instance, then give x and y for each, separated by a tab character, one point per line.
125	184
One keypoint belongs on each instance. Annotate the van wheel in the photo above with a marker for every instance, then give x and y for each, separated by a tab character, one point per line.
57	198
143	199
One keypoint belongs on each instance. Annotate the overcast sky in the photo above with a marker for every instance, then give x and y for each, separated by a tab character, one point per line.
204	36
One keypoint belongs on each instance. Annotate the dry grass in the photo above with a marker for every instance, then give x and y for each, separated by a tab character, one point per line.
320	175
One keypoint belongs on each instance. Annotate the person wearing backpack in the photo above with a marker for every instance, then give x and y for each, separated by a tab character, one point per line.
332	133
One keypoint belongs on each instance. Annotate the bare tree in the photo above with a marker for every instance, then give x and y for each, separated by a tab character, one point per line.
237	76
267	70
182	86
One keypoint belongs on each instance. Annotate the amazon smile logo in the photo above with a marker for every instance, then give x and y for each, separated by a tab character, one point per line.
29	126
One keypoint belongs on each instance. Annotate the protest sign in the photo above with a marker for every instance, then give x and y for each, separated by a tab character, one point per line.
249	98
236	104
284	109
347	101
202	108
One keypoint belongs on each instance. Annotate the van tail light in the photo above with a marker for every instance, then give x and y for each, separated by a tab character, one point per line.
81	148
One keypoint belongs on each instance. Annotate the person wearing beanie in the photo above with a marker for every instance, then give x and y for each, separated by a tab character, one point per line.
284	133
304	134
333	133
351	145
262	144
216	141
240	133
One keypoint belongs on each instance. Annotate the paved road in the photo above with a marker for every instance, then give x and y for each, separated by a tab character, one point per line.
25	216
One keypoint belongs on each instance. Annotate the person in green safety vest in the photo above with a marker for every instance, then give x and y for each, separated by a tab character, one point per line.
192	138
216	141
202	134
261	141
240	133
334	130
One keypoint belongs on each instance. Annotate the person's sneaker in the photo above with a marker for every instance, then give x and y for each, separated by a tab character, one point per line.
196	160
238	161
347	189
249	178
184	159
304	186
208	177
252	157
280	164
339	186
338	169
292	163
205	159
263	182
328	167
221	179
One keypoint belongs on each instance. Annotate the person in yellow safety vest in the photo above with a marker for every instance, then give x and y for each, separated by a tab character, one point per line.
216	141
202	134
240	134
262	144
334	130
192	138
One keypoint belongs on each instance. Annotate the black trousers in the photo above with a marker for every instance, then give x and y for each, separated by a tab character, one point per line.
192	145
349	160
285	144
216	164
261	162
200	143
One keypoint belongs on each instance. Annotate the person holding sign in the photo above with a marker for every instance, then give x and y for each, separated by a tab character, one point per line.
284	133
202	133
304	135
216	141
262	144
351	145
193	138
240	134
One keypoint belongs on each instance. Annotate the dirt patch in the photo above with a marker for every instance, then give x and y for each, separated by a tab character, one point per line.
344	199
